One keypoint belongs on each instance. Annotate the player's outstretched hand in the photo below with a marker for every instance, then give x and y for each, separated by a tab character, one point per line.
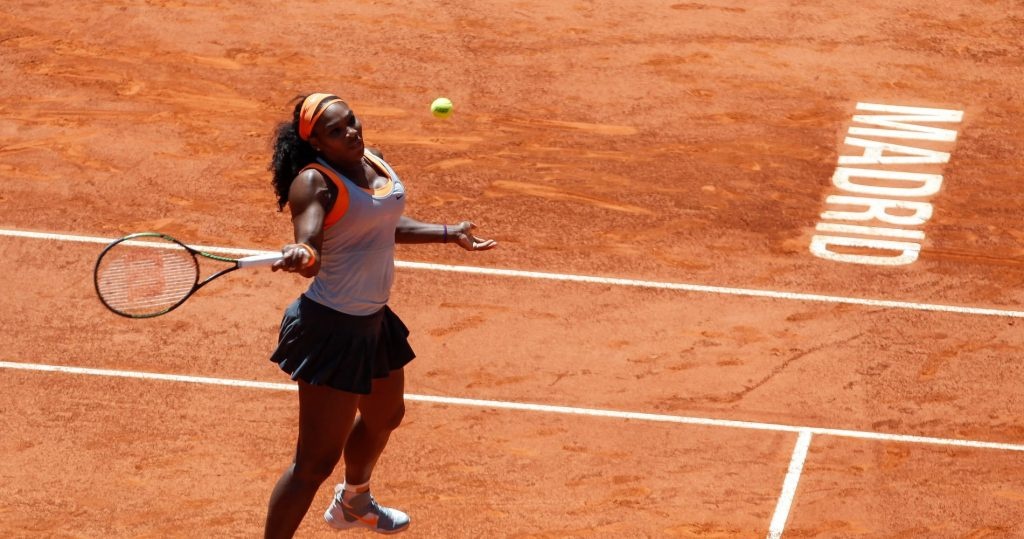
467	240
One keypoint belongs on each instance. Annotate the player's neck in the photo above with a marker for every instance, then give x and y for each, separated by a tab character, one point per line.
353	170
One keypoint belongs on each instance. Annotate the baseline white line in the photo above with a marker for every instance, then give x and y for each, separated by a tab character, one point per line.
796	467
796	296
528	407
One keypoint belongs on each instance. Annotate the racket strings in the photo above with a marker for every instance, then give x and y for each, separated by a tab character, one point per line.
140	281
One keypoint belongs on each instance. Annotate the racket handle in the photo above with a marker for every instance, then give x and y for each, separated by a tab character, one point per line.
256	261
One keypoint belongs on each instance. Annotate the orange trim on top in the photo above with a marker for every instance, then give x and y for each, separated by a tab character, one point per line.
377	163
340	206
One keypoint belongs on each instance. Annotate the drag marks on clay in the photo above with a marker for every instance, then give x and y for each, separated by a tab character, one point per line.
214	102
368	109
69	147
449	143
597	129
502	187
943	358
217	62
112	68
688	6
464	324
448	164
38	144
779	368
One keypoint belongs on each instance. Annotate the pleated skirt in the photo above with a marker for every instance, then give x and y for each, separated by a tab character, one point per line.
322	346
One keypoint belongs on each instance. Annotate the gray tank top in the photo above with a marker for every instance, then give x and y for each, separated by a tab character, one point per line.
357	259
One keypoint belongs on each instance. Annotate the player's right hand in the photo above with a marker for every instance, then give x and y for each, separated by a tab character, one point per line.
297	258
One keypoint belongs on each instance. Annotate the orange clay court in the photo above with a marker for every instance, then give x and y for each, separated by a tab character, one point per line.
796	230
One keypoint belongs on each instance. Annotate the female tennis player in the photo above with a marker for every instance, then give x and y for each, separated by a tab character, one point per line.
339	340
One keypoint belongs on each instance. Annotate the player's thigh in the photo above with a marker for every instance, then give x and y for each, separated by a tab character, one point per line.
384	407
325	419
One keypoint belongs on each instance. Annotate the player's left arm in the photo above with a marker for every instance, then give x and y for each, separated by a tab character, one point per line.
410	230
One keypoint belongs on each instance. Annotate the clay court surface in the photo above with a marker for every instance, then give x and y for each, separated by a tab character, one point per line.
666	142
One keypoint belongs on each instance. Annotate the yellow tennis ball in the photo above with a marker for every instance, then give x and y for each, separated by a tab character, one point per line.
441	107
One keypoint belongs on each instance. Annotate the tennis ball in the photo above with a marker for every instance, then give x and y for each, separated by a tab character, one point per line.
441	107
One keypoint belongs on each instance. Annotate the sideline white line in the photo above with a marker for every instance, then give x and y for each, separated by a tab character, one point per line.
797	296
528	407
796	467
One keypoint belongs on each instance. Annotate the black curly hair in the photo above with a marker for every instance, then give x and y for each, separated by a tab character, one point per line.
291	154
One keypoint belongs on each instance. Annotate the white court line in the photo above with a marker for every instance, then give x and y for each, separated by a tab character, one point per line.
796	467
528	407
594	280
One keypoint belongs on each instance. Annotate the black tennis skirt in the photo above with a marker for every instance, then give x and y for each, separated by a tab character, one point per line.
321	346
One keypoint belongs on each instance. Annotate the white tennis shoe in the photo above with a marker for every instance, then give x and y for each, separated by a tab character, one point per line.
362	511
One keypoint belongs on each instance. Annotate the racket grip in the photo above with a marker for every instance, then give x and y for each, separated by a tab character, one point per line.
256	261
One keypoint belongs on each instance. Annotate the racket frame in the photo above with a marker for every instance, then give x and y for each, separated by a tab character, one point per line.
249	261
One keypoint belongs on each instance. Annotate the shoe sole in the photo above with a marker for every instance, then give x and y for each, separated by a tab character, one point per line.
342	524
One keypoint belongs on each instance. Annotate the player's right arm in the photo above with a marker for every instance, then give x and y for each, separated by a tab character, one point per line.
309	200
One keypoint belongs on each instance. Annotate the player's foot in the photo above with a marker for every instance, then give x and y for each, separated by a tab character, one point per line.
362	511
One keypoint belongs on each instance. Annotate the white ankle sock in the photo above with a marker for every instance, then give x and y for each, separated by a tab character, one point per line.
349	490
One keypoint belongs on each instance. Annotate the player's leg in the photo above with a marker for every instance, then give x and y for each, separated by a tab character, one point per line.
380	413
325	420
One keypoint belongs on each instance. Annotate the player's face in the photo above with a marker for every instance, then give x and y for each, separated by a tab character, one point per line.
338	135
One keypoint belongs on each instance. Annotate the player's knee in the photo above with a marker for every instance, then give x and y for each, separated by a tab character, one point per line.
397	417
388	422
315	470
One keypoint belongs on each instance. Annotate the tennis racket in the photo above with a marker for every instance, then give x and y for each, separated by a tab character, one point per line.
149	274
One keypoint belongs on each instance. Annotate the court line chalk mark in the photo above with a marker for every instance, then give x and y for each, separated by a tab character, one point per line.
796	467
686	287
531	407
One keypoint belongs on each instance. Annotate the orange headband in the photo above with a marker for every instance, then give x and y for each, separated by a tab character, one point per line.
309	114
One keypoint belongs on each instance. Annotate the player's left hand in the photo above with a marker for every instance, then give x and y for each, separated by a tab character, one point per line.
464	236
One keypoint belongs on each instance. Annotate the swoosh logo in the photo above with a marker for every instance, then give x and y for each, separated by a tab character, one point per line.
368	519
